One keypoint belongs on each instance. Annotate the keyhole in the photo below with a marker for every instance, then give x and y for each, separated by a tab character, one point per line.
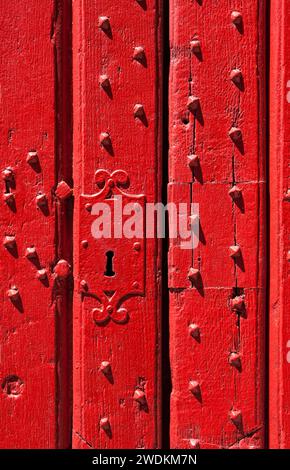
109	264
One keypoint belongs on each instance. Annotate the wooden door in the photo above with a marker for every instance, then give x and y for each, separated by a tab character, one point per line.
132	340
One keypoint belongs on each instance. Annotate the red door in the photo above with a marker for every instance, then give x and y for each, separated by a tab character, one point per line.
121	328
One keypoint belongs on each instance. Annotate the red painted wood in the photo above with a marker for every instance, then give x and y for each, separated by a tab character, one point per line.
279	367
28	366
116	355
217	324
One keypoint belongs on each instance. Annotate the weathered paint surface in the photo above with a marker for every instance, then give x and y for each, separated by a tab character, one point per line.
117	282
28	415
279	342
217	159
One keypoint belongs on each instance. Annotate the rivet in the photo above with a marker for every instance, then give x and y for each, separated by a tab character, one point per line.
235	134
104	24
105	82
193	161
235	360
194	388
139	54
63	190
235	192
88	207
236	417
41	200
136	285
62	269
105	139
193	274
194	443
30	252
9	241
194	330
105	367
236	76
8	174
195	46
32	158
288	256
13	293
140	397
235	251
85	243
139	111
193	104
236	17
137	246
105	424
41	274
287	195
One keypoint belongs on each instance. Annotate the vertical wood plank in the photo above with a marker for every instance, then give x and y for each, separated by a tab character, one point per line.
28	362
217	147
279	366
117	64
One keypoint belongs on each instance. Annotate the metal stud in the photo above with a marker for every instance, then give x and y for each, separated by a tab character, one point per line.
105	139
194	331
193	161
13	293
236	417
62	269
193	274
32	158
235	360
30	252
9	198
235	192
41	274
104	24
105	425
63	191
105	82
9	242
41	200
238	303
195	46
194	388
139	111
8	174
236	18
140	397
194	443
236	76
105	367
139	54
193	104
235	134
235	251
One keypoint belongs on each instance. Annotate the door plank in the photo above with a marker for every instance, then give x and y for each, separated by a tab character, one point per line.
217	320
279	366
28	361
116	303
